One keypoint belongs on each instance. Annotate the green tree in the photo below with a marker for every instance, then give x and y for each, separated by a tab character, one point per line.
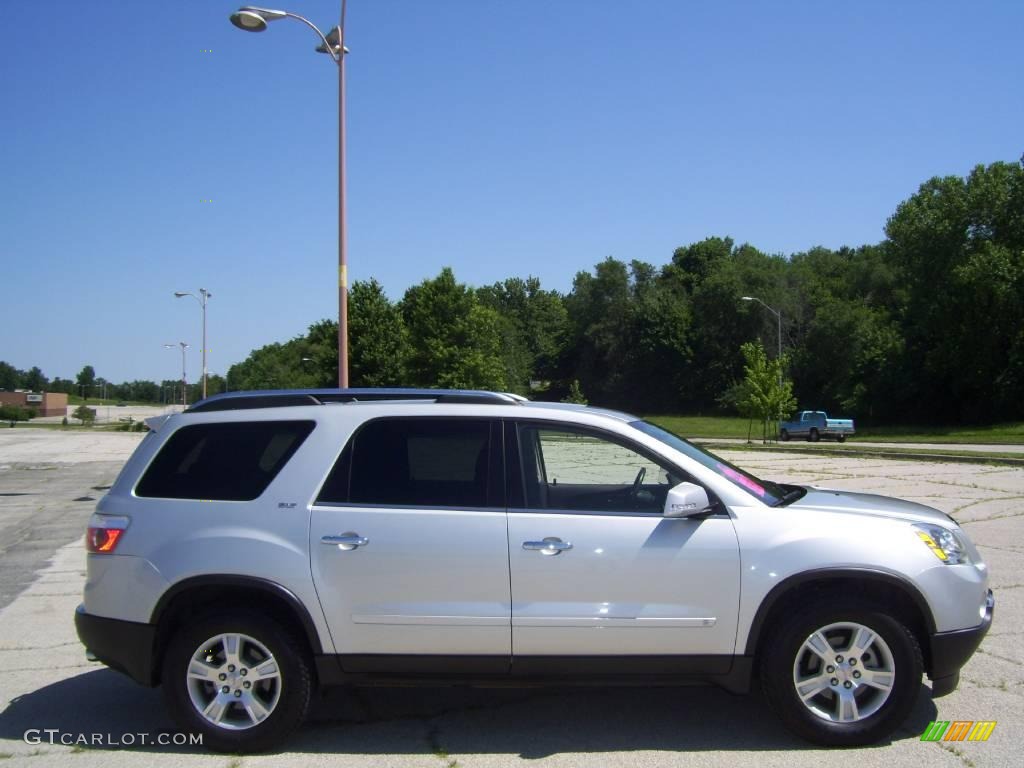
85	414
85	381
379	341
958	247
67	386
766	393
10	377
455	341
599	315
35	380
534	324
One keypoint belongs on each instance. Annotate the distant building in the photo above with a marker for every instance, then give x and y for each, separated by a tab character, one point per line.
45	403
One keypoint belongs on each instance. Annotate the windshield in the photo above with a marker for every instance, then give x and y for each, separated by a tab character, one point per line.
764	490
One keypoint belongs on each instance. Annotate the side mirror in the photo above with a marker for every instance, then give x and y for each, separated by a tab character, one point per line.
687	500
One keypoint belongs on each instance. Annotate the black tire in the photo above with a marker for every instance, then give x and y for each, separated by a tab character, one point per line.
813	436
293	686
784	647
784	435
841	438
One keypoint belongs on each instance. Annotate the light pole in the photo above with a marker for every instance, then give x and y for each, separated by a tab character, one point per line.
778	316
252	19
184	381
206	296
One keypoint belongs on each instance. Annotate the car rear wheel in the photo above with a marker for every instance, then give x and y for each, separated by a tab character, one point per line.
842	676
813	436
240	680
841	438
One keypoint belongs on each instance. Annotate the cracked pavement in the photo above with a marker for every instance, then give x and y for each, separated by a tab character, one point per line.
45	681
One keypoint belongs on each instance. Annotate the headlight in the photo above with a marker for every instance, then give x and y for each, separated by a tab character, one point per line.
944	543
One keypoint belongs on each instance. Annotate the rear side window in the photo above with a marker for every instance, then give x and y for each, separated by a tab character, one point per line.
418	462
232	461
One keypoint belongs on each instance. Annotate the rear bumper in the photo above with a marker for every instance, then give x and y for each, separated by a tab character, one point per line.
126	646
951	650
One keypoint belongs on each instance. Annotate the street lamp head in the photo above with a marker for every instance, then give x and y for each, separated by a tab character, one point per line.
179	294
252	19
747	298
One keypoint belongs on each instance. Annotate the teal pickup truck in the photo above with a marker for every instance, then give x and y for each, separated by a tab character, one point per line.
815	425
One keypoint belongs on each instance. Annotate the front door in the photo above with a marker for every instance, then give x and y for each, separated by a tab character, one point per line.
598	572
409	548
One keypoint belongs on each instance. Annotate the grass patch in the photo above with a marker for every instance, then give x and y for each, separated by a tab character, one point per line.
995	434
835	449
707	426
736	427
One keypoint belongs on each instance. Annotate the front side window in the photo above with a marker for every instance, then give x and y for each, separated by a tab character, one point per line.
577	470
765	490
227	461
417	462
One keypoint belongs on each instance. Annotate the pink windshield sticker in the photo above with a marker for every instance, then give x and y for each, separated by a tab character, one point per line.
742	479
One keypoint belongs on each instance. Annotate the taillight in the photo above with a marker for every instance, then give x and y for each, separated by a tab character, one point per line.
104	532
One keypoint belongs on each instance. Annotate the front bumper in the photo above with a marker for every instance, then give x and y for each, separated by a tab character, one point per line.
126	646
951	650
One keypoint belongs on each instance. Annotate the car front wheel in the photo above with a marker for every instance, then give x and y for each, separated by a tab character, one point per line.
240	680
842	676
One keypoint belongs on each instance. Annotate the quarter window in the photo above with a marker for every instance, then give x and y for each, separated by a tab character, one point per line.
230	461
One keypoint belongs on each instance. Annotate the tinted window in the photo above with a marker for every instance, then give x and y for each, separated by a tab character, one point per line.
579	470
224	462
416	462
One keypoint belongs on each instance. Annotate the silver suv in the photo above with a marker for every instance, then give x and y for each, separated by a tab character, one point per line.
261	545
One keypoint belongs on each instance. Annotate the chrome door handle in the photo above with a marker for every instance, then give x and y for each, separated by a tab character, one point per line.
552	545
346	541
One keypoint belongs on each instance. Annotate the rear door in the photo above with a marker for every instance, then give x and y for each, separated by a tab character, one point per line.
410	550
600	579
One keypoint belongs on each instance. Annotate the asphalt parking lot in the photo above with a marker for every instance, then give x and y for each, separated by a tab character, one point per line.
49	482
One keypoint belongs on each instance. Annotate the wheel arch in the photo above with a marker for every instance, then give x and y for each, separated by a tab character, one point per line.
193	596
881	586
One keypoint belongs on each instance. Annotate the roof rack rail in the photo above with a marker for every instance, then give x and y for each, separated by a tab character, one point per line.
244	400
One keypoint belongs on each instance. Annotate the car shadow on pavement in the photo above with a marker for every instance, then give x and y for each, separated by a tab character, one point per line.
531	723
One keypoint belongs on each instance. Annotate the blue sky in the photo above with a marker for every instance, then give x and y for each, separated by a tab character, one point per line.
501	138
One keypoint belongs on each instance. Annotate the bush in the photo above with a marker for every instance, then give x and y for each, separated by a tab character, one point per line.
14	413
575	394
64	421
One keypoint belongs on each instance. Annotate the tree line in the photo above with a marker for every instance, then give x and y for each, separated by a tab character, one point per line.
926	326
88	386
